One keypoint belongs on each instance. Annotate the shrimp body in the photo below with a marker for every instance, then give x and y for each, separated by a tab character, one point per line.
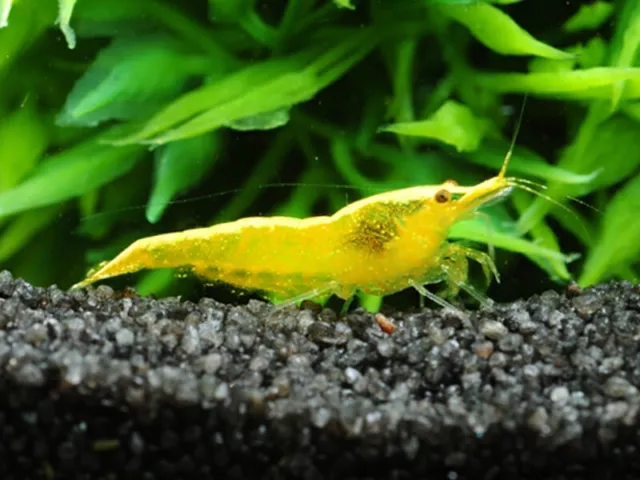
378	245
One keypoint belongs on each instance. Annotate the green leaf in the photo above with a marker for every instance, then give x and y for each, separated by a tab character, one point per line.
539	65
69	174
65	10
613	145
577	84
256	89
619	241
470	2
627	36
632	110
624	47
112	18
180	165
453	123
217	94
28	22
229	10
544	236
23	139
476	230
24	228
371	303
5	10
119	85
496	30
576	223
593	53
261	121
345	4
589	17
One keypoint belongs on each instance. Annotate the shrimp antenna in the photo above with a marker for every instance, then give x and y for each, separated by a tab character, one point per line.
528	188
544	187
509	154
206	196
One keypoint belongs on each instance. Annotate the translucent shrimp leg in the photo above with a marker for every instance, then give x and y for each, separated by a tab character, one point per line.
318	294
456	269
432	296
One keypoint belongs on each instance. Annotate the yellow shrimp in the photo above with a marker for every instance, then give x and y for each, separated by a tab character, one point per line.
379	245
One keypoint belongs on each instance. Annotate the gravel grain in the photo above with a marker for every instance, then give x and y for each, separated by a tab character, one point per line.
102	384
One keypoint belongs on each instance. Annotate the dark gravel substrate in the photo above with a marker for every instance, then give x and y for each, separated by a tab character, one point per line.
100	385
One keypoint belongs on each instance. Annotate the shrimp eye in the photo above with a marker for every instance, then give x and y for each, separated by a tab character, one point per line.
443	196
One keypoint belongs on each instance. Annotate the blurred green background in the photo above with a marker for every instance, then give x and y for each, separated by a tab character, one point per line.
121	119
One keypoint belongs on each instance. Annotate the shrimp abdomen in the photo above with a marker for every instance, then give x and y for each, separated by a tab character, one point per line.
253	254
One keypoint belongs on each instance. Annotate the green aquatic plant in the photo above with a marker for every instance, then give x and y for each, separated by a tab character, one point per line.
116	115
